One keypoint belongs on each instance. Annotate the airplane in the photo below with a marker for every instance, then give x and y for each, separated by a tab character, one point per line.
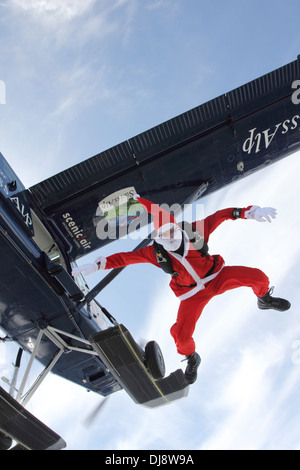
46	228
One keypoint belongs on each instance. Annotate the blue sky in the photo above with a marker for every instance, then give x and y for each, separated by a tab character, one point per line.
83	76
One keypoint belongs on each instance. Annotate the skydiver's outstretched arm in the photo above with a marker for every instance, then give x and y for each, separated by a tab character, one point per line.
208	225
118	260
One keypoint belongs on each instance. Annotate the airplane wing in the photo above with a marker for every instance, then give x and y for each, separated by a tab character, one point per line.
201	150
20	425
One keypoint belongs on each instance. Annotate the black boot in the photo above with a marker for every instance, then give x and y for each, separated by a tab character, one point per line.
267	301
194	361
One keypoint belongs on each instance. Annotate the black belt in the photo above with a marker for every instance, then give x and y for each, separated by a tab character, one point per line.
211	269
191	285
206	275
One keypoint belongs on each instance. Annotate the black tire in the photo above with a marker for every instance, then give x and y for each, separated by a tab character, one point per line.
154	360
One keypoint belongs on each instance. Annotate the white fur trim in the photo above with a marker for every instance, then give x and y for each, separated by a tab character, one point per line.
249	213
200	285
102	261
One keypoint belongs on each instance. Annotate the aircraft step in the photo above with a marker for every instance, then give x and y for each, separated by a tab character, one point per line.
126	361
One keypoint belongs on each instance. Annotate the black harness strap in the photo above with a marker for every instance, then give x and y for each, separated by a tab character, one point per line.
198	241
163	259
196	238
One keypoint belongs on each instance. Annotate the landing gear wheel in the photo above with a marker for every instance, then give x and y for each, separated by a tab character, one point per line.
154	360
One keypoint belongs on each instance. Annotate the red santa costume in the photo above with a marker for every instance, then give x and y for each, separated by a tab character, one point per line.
198	277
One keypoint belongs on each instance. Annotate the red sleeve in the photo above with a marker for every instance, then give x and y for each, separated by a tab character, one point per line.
119	260
208	225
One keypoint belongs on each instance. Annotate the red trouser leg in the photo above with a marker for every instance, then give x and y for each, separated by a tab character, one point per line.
190	310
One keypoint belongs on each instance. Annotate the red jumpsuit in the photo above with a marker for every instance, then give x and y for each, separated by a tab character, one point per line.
191	286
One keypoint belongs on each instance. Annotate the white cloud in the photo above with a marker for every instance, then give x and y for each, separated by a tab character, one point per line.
98	16
53	12
66	28
83	86
3	358
155	4
76	35
252	399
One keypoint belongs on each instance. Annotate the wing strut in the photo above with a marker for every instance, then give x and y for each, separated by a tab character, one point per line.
110	277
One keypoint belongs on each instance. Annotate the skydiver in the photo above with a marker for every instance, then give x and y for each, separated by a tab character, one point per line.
196	275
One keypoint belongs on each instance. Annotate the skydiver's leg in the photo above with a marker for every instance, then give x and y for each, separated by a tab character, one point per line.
182	332
232	277
238	276
229	278
190	310
188	314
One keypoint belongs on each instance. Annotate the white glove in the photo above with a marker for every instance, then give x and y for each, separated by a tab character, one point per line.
85	269
261	214
102	261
